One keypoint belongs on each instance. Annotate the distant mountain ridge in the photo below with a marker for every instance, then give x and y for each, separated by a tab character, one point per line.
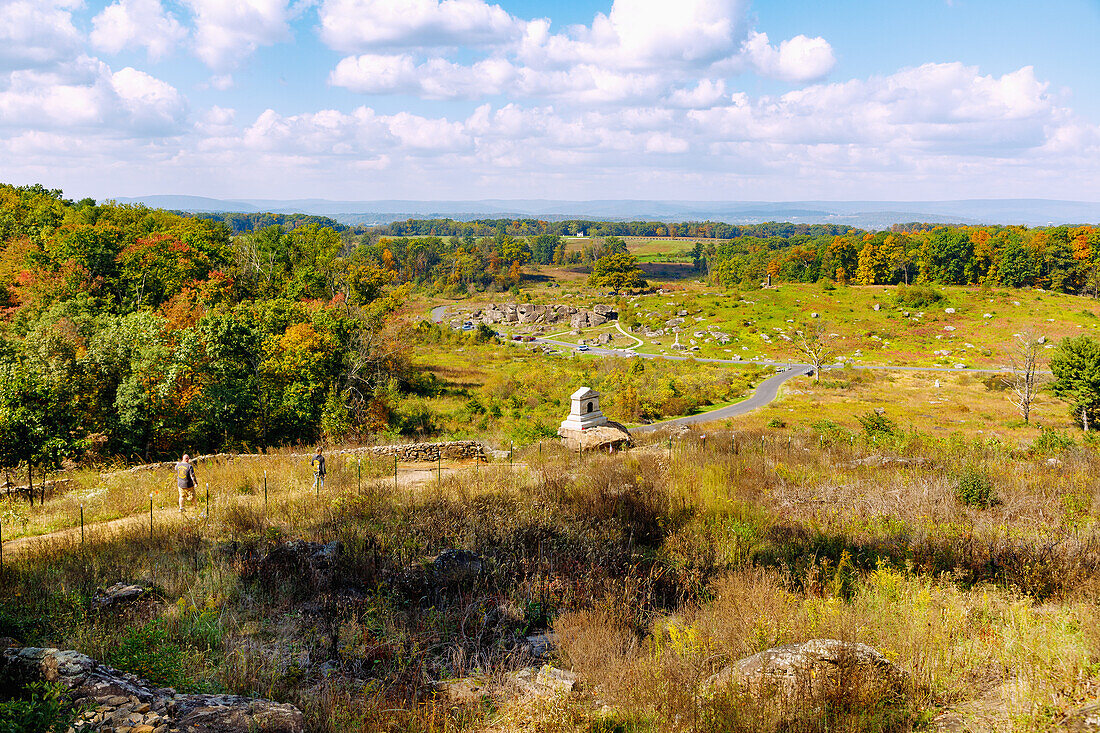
862	214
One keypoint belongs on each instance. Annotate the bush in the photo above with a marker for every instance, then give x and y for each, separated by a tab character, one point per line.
917	296
39	708
975	488
776	422
1051	441
876	424
147	652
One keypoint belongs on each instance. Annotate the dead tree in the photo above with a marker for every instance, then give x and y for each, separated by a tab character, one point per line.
816	345
1023	378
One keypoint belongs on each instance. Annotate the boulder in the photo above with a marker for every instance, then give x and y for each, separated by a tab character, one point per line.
118	701
453	566
812	670
118	594
604	437
312	562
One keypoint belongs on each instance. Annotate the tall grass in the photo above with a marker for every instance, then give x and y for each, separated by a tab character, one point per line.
657	567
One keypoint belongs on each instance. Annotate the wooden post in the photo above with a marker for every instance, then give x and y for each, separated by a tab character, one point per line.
438	467
1	549
30	480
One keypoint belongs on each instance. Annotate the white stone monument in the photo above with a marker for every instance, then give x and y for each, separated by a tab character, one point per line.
587	428
584	411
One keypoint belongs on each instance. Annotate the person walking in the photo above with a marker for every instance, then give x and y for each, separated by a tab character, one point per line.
318	464
185	480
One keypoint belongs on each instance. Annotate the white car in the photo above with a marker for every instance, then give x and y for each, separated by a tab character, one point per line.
582	347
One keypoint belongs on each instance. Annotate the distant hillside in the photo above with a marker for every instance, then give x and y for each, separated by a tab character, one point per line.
861	214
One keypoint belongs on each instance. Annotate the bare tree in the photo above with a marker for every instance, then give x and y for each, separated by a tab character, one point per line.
815	344
1023	380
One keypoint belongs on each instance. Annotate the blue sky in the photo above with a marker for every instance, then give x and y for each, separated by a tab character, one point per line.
460	99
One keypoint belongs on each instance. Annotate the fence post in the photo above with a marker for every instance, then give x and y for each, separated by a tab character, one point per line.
395	471
439	467
208	502
150	517
511	447
82	525
359	461
1	549
265	489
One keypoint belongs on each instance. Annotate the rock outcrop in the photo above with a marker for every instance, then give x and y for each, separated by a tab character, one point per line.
811	670
121	703
611	436
529	313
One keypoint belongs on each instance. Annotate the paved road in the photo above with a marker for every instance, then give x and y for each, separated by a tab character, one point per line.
765	393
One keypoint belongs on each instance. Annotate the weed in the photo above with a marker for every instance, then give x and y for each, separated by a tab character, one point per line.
38	707
974	488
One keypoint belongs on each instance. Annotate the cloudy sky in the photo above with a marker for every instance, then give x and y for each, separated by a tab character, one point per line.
566	99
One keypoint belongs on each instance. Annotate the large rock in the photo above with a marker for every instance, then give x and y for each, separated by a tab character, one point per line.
119	701
610	436
812	670
311	562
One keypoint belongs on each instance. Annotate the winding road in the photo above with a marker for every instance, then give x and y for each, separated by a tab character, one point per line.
766	392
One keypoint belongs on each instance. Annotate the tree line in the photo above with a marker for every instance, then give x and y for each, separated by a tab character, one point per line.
1063	258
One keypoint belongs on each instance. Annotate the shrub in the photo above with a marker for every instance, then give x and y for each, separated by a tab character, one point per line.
1051	441
776	422
975	488
917	296
876	424
39	708
147	652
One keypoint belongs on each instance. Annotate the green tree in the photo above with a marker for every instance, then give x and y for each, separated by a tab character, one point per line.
618	271
1076	367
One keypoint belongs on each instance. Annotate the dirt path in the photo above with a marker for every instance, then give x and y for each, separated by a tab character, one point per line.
409	476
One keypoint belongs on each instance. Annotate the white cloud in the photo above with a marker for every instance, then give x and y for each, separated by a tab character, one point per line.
797	59
228	32
934	107
35	34
359	25
642	51
87	96
706	93
128	23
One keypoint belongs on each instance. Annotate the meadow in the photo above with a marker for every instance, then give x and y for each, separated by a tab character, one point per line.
971	565
978	333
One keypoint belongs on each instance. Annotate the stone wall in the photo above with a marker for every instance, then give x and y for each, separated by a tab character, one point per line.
121	703
451	450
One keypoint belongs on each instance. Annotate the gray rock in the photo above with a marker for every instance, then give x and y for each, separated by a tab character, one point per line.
125	701
118	594
809	670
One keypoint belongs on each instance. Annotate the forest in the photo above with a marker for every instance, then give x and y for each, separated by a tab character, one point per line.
138	332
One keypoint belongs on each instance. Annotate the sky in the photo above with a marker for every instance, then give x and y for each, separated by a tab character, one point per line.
717	100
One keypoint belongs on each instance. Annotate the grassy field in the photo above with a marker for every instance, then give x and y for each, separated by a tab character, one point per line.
656	567
516	392
761	324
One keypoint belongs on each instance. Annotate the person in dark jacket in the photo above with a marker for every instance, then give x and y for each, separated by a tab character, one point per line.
318	464
185	480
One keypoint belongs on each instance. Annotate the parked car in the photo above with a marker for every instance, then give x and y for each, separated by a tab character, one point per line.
582	347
